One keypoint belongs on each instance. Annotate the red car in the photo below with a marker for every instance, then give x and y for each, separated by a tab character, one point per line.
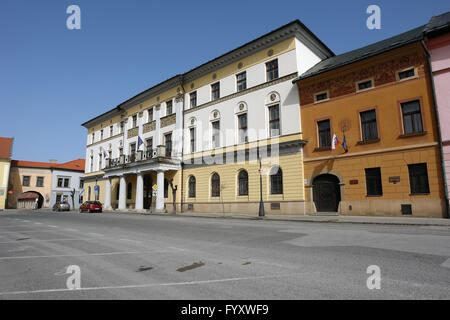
91	206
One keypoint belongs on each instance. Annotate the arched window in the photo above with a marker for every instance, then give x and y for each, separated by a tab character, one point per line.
215	185
166	188
276	180
243	183
192	187
89	193
130	191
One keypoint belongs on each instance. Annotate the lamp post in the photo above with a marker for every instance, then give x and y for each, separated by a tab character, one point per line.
261	203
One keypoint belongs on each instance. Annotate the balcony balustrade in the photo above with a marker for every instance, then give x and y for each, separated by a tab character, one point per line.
140	156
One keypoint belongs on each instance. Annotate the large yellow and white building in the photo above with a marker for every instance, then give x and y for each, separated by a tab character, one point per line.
200	137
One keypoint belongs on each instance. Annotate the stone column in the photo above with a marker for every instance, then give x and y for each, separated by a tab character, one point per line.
108	194
122	193
139	192
160	191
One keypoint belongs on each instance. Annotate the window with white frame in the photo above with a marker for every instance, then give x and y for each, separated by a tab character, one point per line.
215	126
242	128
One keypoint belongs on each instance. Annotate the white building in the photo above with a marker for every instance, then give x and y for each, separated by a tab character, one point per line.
203	130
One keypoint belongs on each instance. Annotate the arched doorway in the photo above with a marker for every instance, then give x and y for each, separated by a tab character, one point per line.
326	193
27	200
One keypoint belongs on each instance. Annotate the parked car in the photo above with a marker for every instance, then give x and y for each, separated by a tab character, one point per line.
91	206
61	206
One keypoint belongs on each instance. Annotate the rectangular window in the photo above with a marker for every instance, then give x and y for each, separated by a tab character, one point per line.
274	120
66	182
132	148
373	182
369	125
92	164
149	143
111	131
242	125
363	85
215	91
406	74
216	134
192	135
60	182
121	126
324	133
81	185
241	81
169	107
150	115
93	138
321	96
412	118
39	181
120	151
168	139
26	181
272	70
193	99
101	134
99	161
418	178
135	121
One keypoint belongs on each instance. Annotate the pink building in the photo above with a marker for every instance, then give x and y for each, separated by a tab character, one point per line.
437	40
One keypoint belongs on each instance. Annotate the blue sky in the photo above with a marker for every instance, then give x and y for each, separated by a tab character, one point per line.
53	79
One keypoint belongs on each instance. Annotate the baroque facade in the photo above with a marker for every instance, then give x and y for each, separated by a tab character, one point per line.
380	99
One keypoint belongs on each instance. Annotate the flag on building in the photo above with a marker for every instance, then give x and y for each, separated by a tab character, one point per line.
105	155
334	142
344	144
140	142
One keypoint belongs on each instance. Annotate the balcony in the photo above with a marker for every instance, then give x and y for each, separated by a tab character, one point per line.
157	154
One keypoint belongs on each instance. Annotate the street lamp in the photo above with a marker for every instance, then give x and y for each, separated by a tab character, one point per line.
261	203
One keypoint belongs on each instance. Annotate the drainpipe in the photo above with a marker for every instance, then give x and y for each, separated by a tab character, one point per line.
438	126
182	149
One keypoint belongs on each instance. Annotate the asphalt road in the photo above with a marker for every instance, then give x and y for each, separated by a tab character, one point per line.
127	256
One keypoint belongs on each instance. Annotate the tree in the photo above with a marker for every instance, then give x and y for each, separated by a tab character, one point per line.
174	195
72	193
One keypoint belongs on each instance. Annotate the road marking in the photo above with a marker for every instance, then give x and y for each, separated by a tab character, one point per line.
446	263
129	240
85	254
95	234
51	226
50	240
71	230
149	285
37	223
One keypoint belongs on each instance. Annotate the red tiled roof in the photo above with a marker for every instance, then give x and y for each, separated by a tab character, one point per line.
77	164
5	147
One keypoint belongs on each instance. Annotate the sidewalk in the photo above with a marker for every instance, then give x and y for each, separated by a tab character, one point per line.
312	218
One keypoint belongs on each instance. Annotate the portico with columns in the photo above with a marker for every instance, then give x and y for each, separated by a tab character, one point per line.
162	168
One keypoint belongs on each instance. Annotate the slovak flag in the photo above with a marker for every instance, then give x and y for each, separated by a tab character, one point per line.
140	142
334	142
105	155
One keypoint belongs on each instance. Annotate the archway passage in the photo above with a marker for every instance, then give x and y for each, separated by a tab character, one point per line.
326	193
27	200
